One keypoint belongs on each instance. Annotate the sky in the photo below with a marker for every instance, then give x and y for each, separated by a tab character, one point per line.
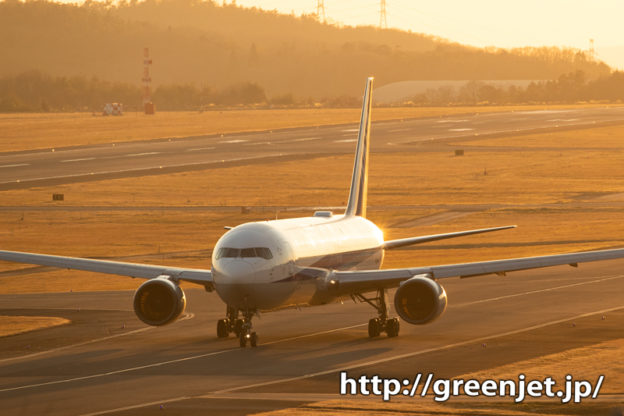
501	23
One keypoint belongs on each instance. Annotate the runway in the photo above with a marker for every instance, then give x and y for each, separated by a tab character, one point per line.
66	165
118	366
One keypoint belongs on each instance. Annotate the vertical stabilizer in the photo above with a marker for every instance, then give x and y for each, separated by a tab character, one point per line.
359	181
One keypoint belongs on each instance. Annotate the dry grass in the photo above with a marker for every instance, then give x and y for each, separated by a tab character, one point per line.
36	131
559	199
12	325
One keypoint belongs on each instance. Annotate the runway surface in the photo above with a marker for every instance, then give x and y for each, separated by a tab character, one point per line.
53	166
106	362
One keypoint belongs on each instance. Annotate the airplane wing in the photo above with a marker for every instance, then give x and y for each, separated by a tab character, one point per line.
369	280
388	245
144	271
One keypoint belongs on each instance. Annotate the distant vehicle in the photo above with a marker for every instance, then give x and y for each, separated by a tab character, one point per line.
113	109
269	265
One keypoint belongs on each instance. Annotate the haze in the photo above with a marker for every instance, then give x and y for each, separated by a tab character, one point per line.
486	22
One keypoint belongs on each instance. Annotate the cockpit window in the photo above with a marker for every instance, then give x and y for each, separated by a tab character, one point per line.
264	252
250	252
228	252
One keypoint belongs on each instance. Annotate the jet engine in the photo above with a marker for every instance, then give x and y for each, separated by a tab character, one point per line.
159	301
420	300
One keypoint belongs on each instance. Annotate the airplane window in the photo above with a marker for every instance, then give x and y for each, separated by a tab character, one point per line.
229	252
264	252
248	252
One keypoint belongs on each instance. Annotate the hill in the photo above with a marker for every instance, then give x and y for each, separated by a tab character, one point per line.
209	44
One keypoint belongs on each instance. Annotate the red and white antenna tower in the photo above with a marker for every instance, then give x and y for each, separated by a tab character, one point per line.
148	105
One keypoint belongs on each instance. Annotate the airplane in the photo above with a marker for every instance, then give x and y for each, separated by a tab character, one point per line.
308	261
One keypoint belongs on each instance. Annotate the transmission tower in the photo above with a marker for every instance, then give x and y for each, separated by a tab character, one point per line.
592	50
320	10
383	23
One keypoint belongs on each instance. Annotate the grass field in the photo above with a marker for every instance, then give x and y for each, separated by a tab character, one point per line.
563	198
12	325
36	131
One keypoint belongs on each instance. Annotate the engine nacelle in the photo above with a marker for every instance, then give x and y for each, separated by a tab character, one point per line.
159	301
420	300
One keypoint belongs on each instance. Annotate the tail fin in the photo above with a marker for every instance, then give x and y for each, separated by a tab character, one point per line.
359	181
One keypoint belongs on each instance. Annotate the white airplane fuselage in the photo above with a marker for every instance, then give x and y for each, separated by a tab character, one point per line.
276	264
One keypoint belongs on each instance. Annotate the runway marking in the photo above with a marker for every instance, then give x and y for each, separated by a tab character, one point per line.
345	141
108	172
142	154
397	130
350	130
161	363
531	292
305	139
92	341
77	160
256	143
464	129
15	165
199	148
451	121
233	141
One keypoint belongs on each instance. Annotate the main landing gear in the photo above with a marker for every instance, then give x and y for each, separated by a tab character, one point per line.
380	324
242	328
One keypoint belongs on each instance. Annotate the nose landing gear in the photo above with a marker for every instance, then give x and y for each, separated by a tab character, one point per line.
380	324
246	334
242	328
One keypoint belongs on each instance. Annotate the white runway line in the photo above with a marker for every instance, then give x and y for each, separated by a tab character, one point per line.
142	154
233	141
197	149
531	292
305	139
77	160
397	130
464	129
345	141
15	165
450	121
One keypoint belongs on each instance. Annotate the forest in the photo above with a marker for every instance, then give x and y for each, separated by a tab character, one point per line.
36	92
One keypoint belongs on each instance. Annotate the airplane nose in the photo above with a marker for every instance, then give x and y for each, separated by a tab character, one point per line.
235	282
236	271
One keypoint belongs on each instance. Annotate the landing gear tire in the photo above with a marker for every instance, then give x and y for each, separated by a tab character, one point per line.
222	328
238	327
243	340
253	340
392	327
374	328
